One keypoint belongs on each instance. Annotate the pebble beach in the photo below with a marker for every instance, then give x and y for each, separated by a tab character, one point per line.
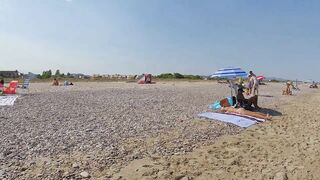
96	130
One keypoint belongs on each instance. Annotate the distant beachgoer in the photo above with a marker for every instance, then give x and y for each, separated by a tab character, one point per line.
254	82
250	84
313	85
148	78
252	74
1	83
242	111
253	85
286	90
67	83
246	103
55	82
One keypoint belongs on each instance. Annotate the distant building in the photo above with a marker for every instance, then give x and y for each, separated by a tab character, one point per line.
80	76
10	74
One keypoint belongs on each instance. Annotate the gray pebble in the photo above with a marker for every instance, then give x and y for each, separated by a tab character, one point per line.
84	174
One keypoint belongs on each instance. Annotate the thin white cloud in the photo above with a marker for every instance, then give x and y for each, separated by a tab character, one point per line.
68	1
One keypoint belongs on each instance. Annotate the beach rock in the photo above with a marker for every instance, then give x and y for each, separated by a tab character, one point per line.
281	176
23	168
85	174
180	177
75	165
187	178
1	173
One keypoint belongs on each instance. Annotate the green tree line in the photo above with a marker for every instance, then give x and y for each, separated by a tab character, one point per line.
178	76
48	74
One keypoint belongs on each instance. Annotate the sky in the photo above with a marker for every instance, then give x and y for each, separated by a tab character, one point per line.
272	38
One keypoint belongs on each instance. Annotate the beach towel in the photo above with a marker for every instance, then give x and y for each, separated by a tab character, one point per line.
229	118
249	117
7	100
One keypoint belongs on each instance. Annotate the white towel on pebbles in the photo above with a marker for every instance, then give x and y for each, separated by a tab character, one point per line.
229	118
7	100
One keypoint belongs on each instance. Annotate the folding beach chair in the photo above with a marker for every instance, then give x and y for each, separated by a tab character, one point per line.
25	84
26	81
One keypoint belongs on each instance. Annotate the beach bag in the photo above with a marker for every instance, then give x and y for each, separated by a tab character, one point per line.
227	102
216	105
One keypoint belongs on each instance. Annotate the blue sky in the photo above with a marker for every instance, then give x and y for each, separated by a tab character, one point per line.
272	38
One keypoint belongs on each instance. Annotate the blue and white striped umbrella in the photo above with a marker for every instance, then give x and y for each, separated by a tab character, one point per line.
230	72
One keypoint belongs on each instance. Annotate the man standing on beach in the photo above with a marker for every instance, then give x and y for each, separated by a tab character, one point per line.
252	74
254	83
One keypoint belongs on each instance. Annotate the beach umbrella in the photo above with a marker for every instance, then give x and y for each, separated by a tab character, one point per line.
229	73
260	77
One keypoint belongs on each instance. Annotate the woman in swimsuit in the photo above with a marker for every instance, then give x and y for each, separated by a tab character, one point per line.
242	111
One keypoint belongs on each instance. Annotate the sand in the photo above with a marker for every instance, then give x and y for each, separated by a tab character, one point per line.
130	131
286	148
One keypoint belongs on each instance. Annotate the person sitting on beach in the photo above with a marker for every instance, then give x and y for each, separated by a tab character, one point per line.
242	111
286	90
55	82
246	103
67	83
1	83
313	85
